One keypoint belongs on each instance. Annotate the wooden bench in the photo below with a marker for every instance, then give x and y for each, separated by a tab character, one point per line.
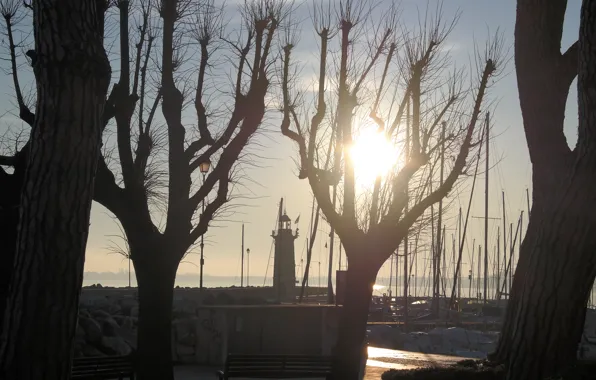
276	366
103	368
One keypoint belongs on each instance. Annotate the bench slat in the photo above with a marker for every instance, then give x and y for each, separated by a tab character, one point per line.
102	368
276	366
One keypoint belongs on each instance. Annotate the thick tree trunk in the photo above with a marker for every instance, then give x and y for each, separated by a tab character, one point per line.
40	319
545	317
9	219
155	276
10	195
557	266
351	346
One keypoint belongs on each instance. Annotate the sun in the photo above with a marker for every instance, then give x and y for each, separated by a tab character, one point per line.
373	155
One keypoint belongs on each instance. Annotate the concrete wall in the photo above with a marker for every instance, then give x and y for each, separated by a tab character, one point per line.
279	329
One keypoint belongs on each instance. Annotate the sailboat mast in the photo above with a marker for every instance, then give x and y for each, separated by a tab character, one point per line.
487	167
479	271
242	255
521	229
396	270
511	244
497	295
471	273
437	274
391	276
505	237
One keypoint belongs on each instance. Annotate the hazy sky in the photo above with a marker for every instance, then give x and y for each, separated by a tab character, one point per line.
276	176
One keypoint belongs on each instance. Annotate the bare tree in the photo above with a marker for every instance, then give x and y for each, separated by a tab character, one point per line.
56	195
179	50
368	63
557	265
219	137
13	159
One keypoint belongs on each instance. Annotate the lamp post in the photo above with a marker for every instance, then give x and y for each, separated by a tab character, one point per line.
247	266
204	168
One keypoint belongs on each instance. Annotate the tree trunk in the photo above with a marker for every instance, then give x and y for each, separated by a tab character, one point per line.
557	265
9	219
545	317
41	315
351	345
155	276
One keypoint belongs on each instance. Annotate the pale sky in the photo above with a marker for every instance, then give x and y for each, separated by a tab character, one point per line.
276	175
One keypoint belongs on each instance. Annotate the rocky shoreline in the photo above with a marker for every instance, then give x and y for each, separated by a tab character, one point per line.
108	319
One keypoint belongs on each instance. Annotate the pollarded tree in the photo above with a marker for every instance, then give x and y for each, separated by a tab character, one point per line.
218	136
190	57
358	83
72	74
557	265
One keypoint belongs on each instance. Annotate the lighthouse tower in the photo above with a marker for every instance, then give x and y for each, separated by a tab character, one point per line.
284	272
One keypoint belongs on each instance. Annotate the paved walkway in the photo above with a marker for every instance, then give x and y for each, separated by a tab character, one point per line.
379	361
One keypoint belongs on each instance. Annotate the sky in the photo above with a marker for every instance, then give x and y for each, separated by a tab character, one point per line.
275	177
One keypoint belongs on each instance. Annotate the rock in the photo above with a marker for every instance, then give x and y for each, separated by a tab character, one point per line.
114	309
84	313
100	304
92	330
116	344
79	334
127	304
109	327
97	314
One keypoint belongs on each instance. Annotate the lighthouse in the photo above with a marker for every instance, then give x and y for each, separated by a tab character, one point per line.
284	264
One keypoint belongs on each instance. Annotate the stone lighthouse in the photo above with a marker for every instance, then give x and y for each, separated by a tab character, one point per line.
284	270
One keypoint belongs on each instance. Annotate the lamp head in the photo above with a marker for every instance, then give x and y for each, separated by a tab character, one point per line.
205	166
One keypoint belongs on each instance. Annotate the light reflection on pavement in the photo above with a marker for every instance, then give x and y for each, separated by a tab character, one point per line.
385	358
379	361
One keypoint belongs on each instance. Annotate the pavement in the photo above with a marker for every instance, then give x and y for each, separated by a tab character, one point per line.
379	361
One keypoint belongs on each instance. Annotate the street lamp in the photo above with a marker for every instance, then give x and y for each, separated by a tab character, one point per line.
204	168
247	267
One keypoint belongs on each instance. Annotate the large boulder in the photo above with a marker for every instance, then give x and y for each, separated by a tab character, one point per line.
100	314
92	330
109	326
125	322
127	304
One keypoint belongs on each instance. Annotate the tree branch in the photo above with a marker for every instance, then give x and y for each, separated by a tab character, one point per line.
416	211
24	112
210	210
569	63
7	160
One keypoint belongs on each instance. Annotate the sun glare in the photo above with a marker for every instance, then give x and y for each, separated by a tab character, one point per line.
373	155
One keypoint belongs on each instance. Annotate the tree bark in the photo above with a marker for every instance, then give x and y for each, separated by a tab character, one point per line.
156	274
351	345
545	317
9	219
557	265
72	74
